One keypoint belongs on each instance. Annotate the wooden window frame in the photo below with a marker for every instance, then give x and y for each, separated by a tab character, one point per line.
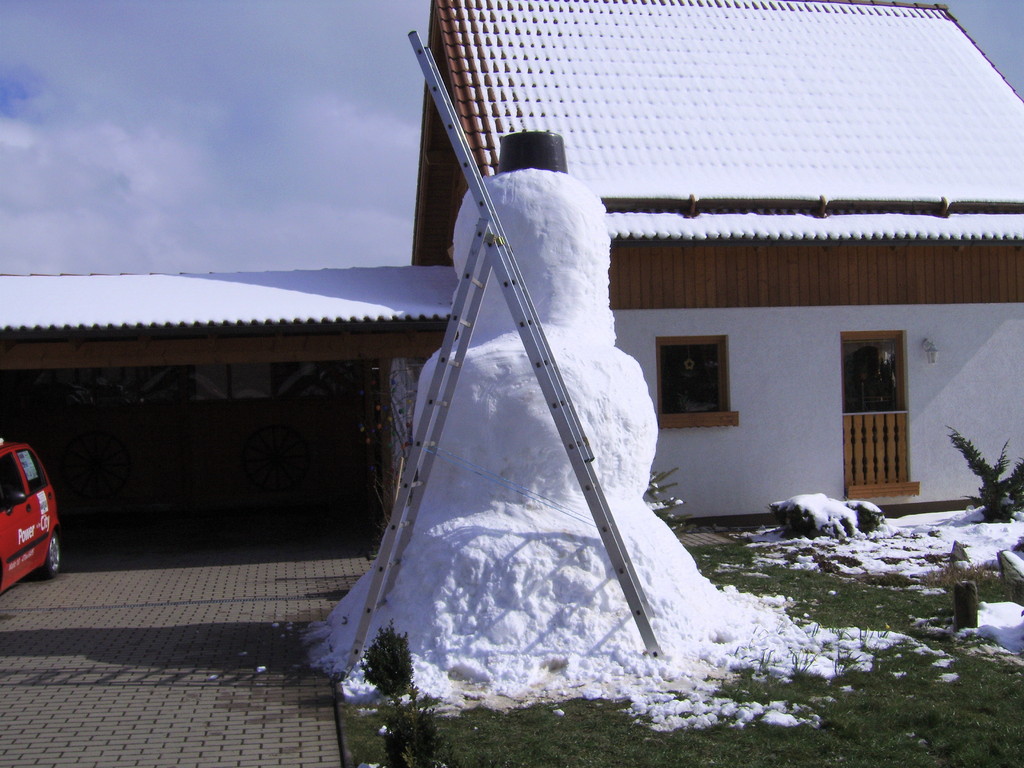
720	418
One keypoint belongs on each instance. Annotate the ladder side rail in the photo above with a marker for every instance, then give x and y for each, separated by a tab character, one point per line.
525	312
548	376
570	429
458	334
465	309
622	565
429	426
612	538
477	268
531	332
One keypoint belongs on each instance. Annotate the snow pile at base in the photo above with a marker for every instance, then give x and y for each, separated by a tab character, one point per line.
505	590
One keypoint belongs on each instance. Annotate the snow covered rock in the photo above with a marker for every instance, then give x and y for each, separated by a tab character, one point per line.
815	514
1011	568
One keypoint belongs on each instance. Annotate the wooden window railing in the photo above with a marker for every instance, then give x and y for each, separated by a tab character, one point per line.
876	455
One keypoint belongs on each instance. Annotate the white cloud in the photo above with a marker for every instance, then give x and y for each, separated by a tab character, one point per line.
198	135
206	136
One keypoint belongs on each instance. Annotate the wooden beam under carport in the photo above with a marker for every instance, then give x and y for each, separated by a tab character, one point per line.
141	350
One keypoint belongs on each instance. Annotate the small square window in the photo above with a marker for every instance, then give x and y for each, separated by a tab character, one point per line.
693	383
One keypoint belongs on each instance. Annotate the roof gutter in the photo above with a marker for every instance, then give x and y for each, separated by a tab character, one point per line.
820	207
238	329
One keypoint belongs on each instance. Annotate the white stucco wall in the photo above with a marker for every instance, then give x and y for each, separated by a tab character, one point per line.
786	383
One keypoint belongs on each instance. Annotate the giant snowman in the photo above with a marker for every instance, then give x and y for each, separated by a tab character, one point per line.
505	589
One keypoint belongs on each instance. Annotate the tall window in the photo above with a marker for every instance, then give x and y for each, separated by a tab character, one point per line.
876	426
693	382
873	371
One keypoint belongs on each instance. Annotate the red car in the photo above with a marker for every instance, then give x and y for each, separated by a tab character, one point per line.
29	530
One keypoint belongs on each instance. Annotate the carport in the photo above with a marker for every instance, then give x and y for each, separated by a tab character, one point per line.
197	392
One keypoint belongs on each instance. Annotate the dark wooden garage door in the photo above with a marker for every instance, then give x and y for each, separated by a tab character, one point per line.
198	436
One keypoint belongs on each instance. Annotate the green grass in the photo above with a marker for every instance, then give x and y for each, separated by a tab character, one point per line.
899	714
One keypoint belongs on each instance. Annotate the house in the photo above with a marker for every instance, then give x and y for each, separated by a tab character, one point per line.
817	222
206	391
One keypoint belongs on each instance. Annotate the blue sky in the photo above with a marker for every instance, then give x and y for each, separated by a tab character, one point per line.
224	135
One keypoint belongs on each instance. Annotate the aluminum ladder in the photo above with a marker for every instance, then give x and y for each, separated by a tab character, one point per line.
490	256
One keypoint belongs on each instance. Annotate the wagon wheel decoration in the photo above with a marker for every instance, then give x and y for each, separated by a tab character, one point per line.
275	458
96	465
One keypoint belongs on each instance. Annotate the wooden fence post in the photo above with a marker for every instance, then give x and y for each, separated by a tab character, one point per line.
965	605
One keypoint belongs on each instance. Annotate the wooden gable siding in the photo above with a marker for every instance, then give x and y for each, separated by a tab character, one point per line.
436	212
807	275
440	190
441	184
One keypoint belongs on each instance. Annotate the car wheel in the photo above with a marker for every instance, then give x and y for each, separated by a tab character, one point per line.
51	567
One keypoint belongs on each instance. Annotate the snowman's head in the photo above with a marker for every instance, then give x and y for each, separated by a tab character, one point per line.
556	228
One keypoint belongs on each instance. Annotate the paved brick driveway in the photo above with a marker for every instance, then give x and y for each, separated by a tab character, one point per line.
174	643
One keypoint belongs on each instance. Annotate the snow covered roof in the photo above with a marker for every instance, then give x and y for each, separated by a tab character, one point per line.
749	100
348	296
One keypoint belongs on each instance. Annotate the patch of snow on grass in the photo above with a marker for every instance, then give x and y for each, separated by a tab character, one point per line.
665	712
910	546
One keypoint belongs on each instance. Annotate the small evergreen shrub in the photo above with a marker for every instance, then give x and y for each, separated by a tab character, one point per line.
998	497
387	663
666	506
869	517
411	735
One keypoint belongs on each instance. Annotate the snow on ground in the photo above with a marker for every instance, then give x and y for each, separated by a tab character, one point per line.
912	546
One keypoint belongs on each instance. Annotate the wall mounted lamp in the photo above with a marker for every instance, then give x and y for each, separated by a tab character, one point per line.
931	350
